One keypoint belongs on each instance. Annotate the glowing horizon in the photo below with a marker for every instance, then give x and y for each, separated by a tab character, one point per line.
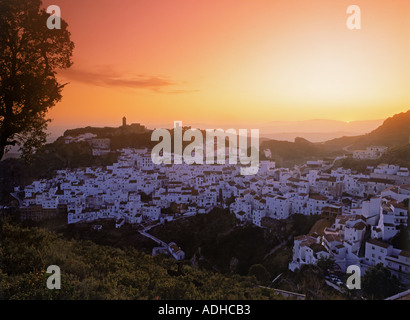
233	62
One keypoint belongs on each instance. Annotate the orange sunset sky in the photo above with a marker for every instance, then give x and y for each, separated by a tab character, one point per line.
235	62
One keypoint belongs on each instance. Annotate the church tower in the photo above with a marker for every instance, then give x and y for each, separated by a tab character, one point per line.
124	122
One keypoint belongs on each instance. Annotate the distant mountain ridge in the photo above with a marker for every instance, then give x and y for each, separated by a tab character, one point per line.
395	131
310	136
314	130
321	126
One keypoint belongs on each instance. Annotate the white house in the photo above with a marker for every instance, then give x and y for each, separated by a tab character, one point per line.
393	215
176	251
373	152
397	261
307	250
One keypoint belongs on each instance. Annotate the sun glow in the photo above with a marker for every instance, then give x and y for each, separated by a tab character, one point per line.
229	62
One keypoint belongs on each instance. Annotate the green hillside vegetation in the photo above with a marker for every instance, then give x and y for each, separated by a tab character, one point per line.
397	155
310	280
104	132
298	149
119	137
395	131
109	235
91	271
132	140
214	241
287	154
239	251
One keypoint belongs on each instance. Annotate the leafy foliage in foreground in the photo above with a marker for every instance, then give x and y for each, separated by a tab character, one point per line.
309	280
378	283
91	271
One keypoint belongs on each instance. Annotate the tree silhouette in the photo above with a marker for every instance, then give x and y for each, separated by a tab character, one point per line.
30	55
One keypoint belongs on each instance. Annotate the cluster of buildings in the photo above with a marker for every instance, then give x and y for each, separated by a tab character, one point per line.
363	227
367	209
371	153
99	146
115	192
